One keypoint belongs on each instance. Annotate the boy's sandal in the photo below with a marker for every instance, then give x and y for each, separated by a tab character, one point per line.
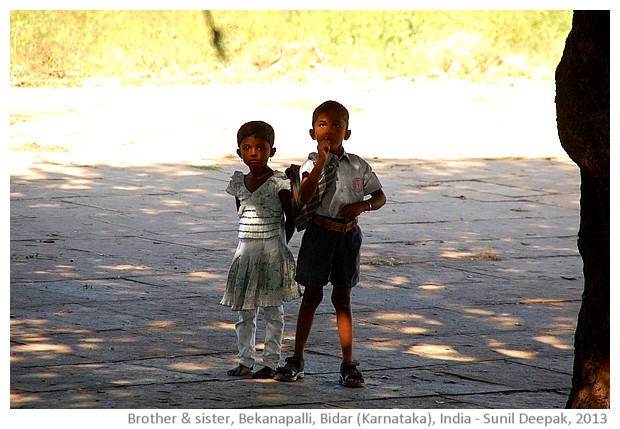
265	372
293	370
240	371
350	375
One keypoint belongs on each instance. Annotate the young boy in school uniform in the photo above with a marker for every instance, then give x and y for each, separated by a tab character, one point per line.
336	182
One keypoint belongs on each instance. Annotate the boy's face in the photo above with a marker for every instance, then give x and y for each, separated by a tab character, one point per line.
330	127
255	152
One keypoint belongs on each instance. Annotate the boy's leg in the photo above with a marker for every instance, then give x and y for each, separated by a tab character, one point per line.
344	276
313	268
274	318
305	318
341	299
294	367
350	376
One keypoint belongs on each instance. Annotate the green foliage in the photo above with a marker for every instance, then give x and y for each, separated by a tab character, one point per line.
67	47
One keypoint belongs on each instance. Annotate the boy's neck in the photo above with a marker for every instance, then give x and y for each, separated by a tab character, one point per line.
339	153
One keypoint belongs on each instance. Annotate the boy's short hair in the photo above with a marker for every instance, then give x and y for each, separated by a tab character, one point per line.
331	106
260	129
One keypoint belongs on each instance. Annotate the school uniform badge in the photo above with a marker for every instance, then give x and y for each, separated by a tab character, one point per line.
358	184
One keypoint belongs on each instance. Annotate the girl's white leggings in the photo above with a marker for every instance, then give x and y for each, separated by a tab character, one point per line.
246	336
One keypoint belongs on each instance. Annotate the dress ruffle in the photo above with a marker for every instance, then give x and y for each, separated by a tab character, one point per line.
261	280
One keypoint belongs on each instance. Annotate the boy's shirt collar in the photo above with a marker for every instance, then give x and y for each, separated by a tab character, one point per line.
341	157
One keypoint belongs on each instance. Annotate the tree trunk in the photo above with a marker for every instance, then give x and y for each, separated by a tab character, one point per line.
582	103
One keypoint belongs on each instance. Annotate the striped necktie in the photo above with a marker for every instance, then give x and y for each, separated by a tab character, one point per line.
306	212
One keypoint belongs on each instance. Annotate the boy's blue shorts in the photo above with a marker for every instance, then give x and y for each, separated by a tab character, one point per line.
329	256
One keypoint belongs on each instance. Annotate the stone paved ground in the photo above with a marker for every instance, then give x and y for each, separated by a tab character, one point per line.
469	294
470	290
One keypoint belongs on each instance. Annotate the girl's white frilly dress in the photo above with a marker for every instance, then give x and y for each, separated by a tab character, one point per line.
262	273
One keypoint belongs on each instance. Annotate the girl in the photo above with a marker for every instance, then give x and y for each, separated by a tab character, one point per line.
262	273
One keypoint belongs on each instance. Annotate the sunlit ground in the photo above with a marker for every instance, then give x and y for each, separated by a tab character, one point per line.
198	124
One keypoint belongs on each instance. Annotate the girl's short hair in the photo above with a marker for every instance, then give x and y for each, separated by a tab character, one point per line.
260	129
331	106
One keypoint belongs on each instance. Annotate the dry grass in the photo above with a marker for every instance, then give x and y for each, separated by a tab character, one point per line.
69	48
487	254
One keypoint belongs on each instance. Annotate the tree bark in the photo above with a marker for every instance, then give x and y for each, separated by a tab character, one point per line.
582	103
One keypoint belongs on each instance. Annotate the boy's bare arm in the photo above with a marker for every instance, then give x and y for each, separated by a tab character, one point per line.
375	202
310	183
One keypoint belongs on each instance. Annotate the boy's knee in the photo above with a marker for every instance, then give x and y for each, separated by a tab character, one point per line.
312	298
341	299
341	305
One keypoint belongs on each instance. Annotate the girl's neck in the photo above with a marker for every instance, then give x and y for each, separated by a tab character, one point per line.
261	171
257	177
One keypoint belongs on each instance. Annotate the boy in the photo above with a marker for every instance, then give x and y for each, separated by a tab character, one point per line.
330	249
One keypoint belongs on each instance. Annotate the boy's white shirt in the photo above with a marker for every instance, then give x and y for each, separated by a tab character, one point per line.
354	179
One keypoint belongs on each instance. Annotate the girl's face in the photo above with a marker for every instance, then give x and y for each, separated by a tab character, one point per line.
255	152
330	127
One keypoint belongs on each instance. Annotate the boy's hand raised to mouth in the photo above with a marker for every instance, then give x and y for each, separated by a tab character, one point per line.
323	149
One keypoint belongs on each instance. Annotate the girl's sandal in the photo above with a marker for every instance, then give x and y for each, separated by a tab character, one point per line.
240	371
350	375
292	371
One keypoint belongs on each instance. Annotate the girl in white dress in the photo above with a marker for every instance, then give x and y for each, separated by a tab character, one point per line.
262	273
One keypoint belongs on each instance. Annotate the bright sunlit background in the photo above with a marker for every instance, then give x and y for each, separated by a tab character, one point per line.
70	48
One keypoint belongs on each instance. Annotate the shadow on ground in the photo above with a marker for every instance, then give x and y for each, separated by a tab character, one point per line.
470	288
